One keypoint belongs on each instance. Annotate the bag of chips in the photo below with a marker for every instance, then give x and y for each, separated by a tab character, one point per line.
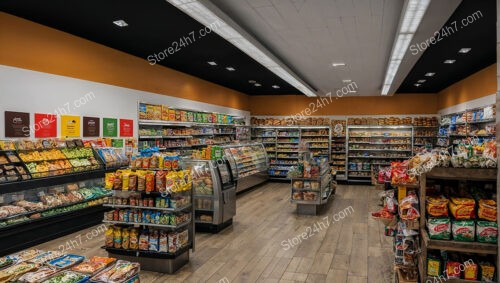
439	228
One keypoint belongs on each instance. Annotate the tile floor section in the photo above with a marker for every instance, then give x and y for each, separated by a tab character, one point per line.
353	249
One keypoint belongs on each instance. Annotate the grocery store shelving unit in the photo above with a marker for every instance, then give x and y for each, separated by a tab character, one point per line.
243	132
468	123
369	147
338	157
457	174
21	235
282	143
203	133
311	205
164	262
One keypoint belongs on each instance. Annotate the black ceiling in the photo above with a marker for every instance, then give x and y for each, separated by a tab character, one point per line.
154	25
480	35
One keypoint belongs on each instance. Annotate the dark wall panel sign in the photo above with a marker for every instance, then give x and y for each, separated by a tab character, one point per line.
17	124
91	126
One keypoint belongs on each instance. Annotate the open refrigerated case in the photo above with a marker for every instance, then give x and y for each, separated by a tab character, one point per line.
214	194
249	164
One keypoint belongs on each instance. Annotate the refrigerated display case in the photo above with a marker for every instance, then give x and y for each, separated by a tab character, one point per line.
249	164
214	194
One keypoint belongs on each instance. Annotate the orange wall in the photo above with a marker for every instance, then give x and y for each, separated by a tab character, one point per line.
366	105
28	45
482	83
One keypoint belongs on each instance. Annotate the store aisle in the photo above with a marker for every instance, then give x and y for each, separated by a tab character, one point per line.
266	244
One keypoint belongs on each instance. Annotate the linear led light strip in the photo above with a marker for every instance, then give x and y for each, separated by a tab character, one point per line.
412	16
205	16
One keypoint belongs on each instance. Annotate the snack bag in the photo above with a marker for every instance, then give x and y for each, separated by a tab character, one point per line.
172	242
126	239
463	230
163	242
150	182
109	236
433	266
453	269
141	181
144	241
471	271
125	180
487	272
132	183
153	241
117	237
134	239
439	228
462	208
161	181
109	180
437	206
487	210
487	232
117	183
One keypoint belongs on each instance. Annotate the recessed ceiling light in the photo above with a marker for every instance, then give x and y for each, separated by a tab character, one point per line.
276	86
346	81
464	50
120	23
430	74
338	64
449	61
257	84
252	81
231	69
212	63
421	81
417	85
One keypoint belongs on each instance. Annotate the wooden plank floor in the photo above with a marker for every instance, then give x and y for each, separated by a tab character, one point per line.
352	249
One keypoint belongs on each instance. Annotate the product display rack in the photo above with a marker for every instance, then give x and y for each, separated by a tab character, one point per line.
44	208
249	164
370	147
469	123
183	136
164	262
282	145
426	244
339	157
243	132
310	198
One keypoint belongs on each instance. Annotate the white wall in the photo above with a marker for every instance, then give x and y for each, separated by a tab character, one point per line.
30	91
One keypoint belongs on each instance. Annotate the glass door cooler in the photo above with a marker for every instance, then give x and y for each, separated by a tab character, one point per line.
214	194
249	164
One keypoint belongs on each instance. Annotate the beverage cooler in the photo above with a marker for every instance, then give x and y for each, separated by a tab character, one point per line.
214	194
249	164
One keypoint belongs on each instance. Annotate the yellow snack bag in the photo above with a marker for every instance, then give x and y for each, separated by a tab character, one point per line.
109	180
125	181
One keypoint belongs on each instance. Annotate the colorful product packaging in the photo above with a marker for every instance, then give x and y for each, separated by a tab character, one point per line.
487	232
463	230
439	228
462	208
487	209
